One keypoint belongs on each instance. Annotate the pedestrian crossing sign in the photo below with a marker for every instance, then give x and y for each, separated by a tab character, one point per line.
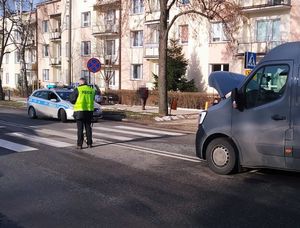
250	60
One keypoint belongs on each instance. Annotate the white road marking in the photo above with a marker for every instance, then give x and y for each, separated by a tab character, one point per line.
15	146
126	132
150	130
42	140
57	133
107	136
155	152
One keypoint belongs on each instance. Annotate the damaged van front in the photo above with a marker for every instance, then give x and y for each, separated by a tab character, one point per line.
256	122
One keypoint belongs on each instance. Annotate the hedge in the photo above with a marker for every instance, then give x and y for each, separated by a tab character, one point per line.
193	100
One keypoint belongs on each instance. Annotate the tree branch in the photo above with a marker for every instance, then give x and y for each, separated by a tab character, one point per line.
185	13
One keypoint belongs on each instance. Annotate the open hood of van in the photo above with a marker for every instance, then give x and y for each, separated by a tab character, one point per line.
224	81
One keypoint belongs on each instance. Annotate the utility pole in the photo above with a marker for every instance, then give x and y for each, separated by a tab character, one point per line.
69	78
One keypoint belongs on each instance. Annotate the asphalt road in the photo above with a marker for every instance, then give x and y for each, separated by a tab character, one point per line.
135	176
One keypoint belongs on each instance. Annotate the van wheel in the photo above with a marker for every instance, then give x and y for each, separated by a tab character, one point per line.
62	115
221	156
32	113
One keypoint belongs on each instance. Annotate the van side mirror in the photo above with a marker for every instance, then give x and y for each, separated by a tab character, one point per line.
237	100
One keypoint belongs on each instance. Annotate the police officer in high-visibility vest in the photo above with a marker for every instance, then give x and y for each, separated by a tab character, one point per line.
83	99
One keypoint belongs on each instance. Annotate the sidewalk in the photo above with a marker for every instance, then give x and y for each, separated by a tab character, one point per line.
181	119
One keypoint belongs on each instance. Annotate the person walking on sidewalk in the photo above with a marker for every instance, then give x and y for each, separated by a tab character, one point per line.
143	93
83	99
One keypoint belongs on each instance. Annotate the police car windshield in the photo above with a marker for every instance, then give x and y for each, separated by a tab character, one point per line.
64	95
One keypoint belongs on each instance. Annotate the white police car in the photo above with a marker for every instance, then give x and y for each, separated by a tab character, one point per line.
54	103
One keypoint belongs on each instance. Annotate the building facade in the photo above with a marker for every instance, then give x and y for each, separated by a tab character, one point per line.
125	37
12	65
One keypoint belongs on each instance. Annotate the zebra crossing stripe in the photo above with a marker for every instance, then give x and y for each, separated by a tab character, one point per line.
57	133
42	140
107	136
15	146
126	132
150	130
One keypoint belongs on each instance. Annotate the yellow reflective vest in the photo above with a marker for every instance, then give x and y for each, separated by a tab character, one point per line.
85	99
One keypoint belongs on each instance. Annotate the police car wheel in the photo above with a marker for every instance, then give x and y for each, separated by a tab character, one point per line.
221	156
32	113
62	115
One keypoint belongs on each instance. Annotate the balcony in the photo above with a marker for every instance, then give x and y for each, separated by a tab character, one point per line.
261	48
55	36
255	6
151	51
105	5
55	62
106	29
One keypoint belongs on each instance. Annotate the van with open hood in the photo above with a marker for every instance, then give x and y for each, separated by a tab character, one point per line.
257	121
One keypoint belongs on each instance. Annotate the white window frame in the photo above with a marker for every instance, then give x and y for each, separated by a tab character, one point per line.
84	51
17	57
45	73
46	50
112	48
269	33
112	81
137	6
137	38
217	33
45	26
182	41
7	78
139	72
86	19
221	64
7	58
86	74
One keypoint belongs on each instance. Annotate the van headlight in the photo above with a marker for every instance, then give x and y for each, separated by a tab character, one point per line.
202	116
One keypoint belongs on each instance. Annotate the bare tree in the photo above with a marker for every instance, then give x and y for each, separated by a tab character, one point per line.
225	11
6	28
24	40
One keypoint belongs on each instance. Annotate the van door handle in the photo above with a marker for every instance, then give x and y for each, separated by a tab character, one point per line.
278	117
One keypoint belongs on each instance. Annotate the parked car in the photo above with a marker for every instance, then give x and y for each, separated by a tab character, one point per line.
54	103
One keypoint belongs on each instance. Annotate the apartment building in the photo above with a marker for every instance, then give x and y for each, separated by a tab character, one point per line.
126	41
11	70
266	24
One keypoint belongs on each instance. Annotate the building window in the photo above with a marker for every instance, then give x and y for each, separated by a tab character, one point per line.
7	78
18	80
46	50
7	58
219	67
183	2
153	32
17	57
154	5
86	74
85	48
137	6
184	34
67	21
136	71
45	26
67	49
110	21
17	35
86	19
268	30
111	76
45	74
137	38
217	32
110	47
